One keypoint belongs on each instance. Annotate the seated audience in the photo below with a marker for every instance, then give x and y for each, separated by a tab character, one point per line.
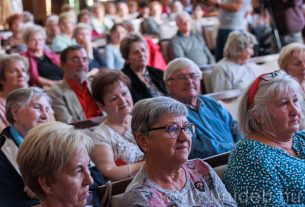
151	25
44	64
13	75
51	28
265	169
25	109
133	8
112	53
116	154
66	22
59	175
100	23
233	71
167	178
292	60
82	35
187	44
122	12
197	21
15	42
176	8
146	81
216	130
143	10
72	100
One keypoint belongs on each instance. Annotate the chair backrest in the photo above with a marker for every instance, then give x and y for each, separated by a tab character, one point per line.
217	160
226	95
111	189
165	50
206	86
89	122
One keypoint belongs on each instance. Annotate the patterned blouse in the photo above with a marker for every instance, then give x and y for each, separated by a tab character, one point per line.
262	175
125	149
203	187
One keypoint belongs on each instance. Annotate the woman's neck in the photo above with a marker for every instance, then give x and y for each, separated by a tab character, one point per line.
274	141
121	125
168	177
138	70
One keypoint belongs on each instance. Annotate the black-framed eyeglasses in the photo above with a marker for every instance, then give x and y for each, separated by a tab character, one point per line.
193	76
174	130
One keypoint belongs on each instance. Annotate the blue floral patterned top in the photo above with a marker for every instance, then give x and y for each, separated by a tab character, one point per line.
261	175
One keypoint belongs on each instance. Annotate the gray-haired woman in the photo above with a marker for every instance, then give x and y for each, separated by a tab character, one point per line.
167	178
233	71
25	109
13	75
146	81
292	60
267	167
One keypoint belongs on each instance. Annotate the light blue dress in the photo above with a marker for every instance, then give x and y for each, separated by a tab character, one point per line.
261	175
113	57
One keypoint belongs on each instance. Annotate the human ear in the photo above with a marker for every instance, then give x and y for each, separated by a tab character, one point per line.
142	140
45	185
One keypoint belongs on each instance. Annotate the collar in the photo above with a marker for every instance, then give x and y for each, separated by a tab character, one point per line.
16	136
74	84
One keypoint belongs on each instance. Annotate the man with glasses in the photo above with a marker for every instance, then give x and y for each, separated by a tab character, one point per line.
72	99
216	130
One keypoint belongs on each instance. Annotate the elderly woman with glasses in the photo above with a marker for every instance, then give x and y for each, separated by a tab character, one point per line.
233	71
267	167
167	178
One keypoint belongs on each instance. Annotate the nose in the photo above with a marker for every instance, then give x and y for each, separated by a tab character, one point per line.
87	178
183	136
44	113
294	109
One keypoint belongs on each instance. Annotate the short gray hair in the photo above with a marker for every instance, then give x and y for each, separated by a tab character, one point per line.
288	52
127	41
46	149
237	42
33	29
20	97
5	61
148	111
178	64
81	26
182	14
51	19
267	90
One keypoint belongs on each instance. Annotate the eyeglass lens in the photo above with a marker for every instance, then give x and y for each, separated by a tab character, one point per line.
175	130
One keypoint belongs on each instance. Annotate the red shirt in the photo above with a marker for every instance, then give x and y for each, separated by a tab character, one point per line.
85	98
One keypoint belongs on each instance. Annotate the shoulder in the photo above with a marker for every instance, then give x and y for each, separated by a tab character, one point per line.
153	70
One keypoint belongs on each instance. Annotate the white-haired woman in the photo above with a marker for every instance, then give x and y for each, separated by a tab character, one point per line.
292	60
233	71
44	68
167	178
13	75
25	109
267	167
